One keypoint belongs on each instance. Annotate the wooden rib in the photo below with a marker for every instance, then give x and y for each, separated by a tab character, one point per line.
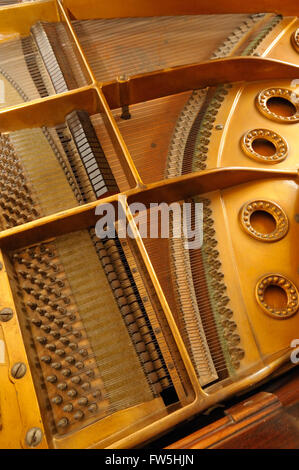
168	191
131	8
174	80
202	182
20	18
65	18
49	111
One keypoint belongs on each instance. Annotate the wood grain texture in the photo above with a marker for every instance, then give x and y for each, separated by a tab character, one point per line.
131	8
266	420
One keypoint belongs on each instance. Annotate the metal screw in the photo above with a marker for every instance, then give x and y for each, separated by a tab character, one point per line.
125	112
18	370
34	437
6	314
219	127
63	422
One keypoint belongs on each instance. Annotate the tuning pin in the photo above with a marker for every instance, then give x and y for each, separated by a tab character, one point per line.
41	311
53	305
76	379
39	283
85	386
62	386
71	316
49	253
42	272
24	274
79	415
46	328
64	340
46	359
83	401
52	379
32	305
67	327
41	339
43	298
97	394
57	400
60	352
61	310
83	352
63	422
66	300
72	393
49	316
92	408
68	407
77	334
55	334
70	359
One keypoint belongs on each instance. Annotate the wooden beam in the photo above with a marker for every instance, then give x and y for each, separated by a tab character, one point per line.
48	111
149	86
202	182
19	18
168	191
133	8
46	228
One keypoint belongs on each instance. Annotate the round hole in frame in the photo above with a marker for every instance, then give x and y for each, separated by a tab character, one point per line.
264	146
281	106
276	297
263	222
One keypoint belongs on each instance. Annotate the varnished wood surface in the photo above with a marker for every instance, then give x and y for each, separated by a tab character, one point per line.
173	80
268	419
118	8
